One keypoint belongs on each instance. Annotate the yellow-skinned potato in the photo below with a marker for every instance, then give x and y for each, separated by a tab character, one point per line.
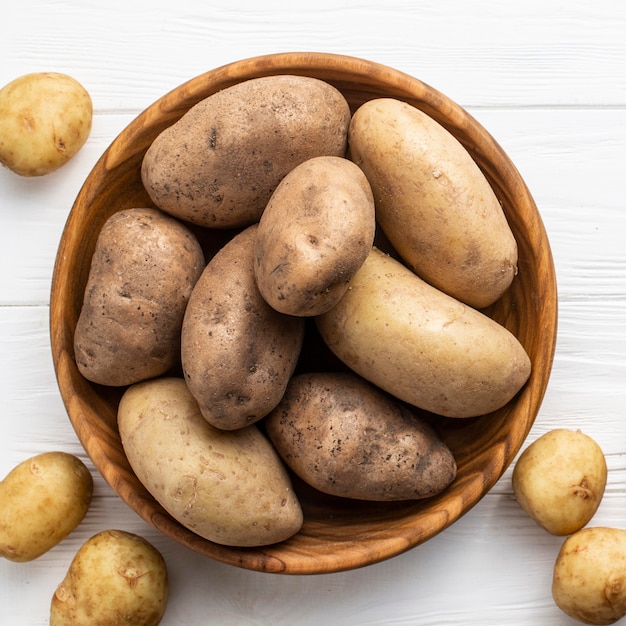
229	487
589	578
347	438
314	234
219	164
42	500
142	273
421	345
237	352
559	480
433	203
45	119
116	577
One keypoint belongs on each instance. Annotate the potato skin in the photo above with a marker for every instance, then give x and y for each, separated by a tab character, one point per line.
313	236
42	500
142	273
229	487
219	164
421	345
589	578
433	203
559	480
116	577
347	438
45	119
237	352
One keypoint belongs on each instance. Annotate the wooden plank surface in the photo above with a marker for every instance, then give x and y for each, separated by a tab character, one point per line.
546	78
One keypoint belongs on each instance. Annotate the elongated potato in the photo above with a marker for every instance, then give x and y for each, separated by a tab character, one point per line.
314	234
237	352
421	345
229	487
433	203
347	438
142	273
219	164
42	500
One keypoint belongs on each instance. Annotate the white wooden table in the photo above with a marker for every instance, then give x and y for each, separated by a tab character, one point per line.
546	78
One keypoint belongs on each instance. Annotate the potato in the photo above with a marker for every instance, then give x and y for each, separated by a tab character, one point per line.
347	438
237	352
142	273
589	578
229	487
433	203
116	577
219	164
314	235
559	480
45	119
42	500
421	345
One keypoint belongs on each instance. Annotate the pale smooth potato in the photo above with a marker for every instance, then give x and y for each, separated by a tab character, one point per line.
229	487
347	438
237	352
116	578
42	500
143	270
559	480
219	164
45	119
314	234
421	345
589	578
433	202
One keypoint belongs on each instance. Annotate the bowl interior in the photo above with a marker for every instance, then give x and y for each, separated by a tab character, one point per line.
337	534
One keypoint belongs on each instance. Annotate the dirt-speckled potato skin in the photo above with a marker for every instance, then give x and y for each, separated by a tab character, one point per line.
237	352
115	577
42	500
142	273
347	438
229	487
589	578
314	234
219	164
433	202
421	345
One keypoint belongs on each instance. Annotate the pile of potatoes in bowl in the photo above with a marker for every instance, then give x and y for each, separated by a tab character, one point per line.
373	234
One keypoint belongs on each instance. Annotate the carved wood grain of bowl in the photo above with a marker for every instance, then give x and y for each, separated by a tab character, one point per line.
337	534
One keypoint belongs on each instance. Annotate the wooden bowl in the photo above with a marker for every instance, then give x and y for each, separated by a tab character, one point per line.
337	534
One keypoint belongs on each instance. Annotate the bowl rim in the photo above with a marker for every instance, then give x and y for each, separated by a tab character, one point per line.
365	76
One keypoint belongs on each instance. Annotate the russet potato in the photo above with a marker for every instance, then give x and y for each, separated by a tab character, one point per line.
421	345
219	164
347	438
314	234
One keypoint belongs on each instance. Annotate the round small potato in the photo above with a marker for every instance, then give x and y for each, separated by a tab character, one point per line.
559	480
237	352
42	500
229	487
142	273
218	165
347	438
589	578
116	577
314	234
45	119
